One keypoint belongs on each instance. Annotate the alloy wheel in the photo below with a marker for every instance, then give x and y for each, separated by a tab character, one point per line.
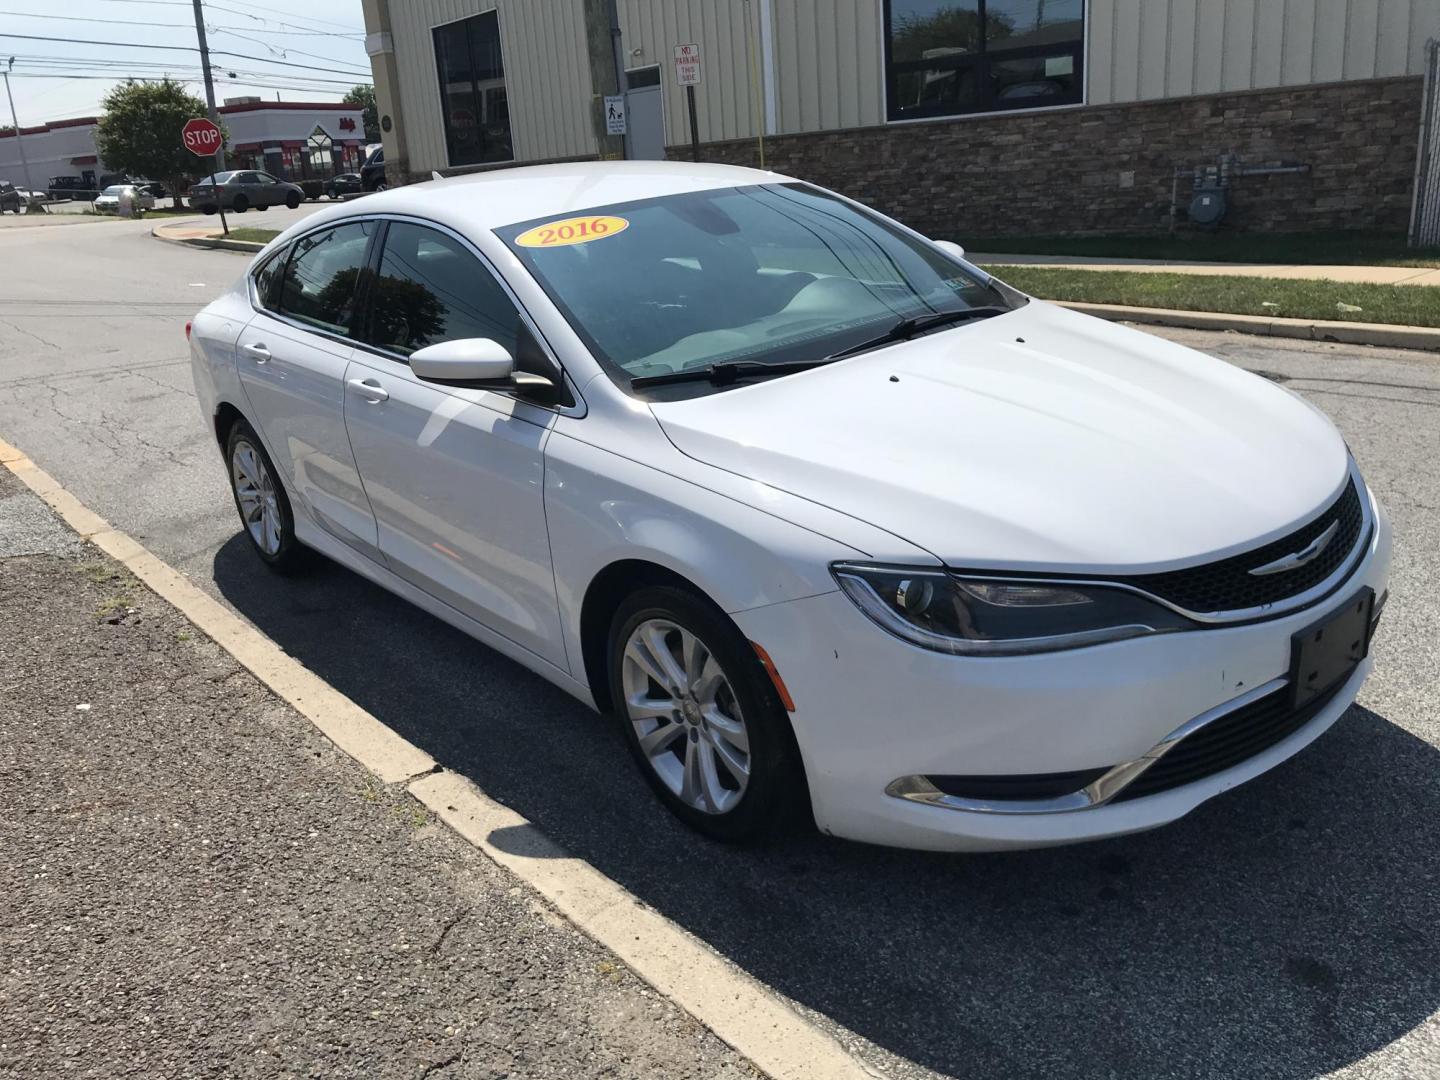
255	492
686	716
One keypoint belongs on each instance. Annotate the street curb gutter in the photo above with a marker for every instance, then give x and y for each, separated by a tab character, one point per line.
1348	333
207	242
736	1007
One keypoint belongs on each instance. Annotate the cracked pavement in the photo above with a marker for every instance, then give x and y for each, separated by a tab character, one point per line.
1288	929
198	884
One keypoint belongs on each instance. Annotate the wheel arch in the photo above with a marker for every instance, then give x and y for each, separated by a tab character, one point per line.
225	416
606	591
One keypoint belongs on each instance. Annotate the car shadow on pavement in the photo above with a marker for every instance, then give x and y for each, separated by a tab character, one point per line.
1285	929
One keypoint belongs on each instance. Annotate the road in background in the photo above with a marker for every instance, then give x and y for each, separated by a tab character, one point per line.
1289	929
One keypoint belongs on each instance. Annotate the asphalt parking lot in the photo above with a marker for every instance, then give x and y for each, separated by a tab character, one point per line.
1290	929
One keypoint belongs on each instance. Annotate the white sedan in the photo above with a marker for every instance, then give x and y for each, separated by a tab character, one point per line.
109	200
831	520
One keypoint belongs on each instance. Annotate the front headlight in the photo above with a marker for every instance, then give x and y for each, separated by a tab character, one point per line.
974	616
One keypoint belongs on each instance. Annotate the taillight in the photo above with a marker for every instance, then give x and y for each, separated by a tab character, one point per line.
187	331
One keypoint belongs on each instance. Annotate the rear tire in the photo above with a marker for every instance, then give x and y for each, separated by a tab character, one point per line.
262	206
701	717
207	210
262	503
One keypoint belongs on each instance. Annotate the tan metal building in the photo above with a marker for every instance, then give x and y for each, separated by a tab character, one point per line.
479	83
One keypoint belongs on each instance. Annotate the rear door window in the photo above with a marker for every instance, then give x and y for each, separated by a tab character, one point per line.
322	276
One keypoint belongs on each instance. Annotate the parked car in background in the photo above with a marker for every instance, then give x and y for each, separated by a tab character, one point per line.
337	187
10	198
241	189
152	187
69	187
108	201
372	173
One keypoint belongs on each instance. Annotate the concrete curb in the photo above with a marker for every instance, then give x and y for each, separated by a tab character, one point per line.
248	246
738	1008
1348	333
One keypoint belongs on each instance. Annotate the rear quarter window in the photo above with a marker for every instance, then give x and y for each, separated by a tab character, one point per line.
267	280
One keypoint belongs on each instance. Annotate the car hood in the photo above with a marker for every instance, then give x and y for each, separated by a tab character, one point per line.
1041	439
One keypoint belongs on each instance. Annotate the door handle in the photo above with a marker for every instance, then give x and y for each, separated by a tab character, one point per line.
258	353
369	389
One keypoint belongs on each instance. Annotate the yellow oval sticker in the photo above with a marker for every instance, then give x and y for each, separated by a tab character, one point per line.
575	230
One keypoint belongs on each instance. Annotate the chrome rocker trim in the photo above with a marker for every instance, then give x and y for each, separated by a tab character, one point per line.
1100	791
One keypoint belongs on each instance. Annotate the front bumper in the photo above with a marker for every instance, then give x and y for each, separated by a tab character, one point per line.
871	709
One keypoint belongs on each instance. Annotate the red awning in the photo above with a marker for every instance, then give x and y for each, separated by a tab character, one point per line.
246	148
288	145
88	159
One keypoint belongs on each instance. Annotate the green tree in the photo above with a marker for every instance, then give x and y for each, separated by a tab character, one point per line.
140	132
364	96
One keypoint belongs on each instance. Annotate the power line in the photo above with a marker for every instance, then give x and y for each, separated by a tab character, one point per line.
77	18
295	27
180	48
186	26
282	11
275	48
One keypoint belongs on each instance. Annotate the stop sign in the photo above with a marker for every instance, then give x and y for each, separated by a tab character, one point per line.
201	137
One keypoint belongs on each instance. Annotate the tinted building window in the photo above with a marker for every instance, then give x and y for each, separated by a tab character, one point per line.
950	57
472	90
431	289
322	275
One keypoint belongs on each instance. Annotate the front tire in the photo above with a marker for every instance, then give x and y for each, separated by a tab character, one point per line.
292	201
701	717
261	502
240	205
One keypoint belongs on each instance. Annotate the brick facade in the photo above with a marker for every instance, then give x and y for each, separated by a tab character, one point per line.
1061	171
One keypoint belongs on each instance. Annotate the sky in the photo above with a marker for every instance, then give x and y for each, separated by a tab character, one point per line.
256	49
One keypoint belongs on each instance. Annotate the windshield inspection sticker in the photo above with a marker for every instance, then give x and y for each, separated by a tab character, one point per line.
575	230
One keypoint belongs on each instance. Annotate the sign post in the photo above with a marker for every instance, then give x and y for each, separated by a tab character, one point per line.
203	139
687	74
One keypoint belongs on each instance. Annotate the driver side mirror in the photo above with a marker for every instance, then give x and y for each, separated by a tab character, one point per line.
950	248
464	362
478	364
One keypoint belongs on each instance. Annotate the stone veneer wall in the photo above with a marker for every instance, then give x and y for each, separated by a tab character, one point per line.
1061	171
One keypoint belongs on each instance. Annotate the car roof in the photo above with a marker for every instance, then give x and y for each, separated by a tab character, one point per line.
485	201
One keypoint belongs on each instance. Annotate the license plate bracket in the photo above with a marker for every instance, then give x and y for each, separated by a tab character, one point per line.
1328	650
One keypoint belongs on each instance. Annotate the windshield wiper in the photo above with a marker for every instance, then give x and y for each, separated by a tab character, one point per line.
725	374
908	327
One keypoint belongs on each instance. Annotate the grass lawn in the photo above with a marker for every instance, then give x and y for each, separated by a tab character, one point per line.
1409	305
1353	248
258	236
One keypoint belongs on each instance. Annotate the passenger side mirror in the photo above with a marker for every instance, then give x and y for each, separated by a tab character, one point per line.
464	362
950	248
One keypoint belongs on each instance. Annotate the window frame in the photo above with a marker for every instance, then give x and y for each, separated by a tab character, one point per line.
982	61
438	87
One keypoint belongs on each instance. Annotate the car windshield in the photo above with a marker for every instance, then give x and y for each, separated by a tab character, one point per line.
773	273
115	189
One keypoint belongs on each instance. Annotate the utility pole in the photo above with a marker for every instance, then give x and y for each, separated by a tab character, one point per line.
607	72
209	82
19	141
